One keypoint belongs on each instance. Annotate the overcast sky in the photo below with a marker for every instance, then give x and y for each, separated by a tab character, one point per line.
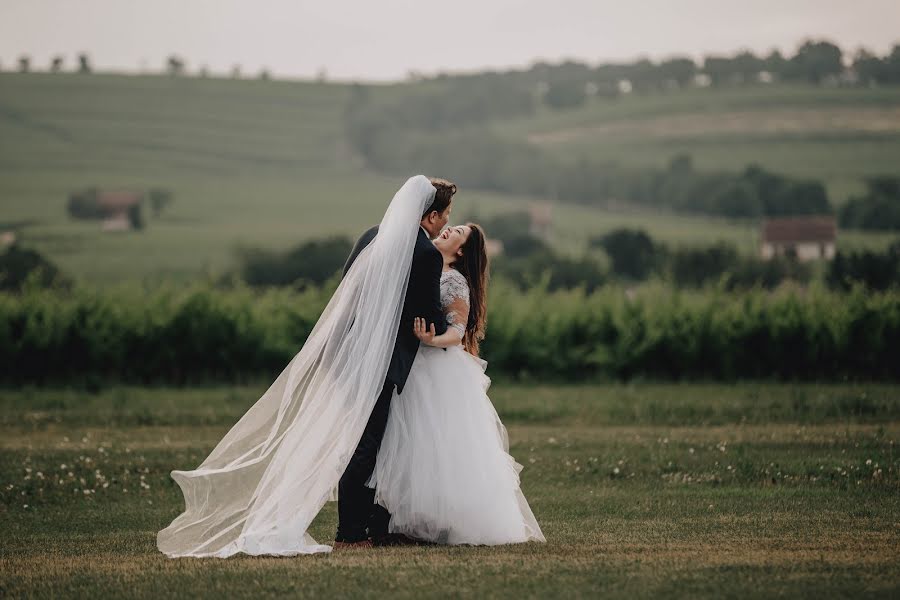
385	39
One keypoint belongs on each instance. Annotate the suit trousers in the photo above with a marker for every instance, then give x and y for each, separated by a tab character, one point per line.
358	515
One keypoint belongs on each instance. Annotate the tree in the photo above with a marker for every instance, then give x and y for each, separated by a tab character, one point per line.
18	265
632	252
159	199
878	209
892	65
775	63
816	61
312	262
747	65
56	64
870	68
562	95
136	216
24	64
718	68
175	66
679	70
84	63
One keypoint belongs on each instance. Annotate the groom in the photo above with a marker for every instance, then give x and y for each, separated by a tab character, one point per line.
361	522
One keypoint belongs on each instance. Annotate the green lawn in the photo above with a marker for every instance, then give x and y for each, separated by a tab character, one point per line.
266	164
643	490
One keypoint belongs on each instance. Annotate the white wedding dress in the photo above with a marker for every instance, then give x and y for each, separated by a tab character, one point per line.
443	470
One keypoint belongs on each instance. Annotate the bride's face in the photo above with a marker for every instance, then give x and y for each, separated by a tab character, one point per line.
452	239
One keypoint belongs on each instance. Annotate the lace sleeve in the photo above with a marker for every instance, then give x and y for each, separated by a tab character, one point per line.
455	300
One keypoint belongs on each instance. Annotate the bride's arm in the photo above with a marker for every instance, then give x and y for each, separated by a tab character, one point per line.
457	316
427	336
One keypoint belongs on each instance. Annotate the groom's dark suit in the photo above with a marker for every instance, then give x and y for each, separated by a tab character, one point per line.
357	511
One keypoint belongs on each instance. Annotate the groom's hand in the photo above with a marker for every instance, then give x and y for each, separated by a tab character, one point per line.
421	331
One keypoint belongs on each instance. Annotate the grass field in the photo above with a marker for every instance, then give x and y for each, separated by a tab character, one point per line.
836	135
265	163
642	490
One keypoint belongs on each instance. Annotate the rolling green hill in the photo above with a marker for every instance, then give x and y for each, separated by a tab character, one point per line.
837	135
265	163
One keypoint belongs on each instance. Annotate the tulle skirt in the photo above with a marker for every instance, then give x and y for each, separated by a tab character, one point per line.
443	469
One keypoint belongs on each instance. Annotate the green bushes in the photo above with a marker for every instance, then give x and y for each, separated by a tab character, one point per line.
169	335
203	334
312	262
878	209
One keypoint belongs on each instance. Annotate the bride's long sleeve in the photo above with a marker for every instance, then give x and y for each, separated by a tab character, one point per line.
458	315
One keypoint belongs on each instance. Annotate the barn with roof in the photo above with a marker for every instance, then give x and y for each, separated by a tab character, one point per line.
804	238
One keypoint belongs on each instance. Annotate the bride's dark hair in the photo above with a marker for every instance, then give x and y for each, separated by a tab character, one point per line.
473	264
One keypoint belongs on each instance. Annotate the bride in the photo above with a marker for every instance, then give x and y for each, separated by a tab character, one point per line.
263	484
443	470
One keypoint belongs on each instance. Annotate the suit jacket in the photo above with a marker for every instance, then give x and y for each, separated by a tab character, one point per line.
422	299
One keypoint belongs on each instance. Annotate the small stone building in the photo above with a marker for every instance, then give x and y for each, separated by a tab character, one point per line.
116	206
805	238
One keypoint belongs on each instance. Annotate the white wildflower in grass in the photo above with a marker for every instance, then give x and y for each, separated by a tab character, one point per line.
615	470
690	450
551	440
868	461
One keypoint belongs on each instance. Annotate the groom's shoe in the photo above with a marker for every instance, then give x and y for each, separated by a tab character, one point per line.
360	545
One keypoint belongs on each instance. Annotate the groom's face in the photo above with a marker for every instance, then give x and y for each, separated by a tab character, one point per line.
435	221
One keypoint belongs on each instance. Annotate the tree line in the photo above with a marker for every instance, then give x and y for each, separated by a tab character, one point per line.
568	83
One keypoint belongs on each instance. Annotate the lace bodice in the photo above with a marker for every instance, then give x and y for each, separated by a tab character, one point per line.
455	299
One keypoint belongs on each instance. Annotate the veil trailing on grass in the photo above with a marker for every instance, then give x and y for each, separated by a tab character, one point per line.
264	483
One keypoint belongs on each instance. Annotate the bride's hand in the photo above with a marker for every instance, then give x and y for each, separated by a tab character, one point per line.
425	335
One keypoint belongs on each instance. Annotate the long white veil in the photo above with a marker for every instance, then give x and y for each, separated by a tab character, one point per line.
264	483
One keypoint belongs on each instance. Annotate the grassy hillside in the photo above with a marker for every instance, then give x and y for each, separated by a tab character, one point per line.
836	135
264	163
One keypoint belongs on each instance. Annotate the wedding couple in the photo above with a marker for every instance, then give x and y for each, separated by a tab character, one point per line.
385	405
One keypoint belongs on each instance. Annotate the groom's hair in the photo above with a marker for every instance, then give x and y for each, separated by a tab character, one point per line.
443	196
